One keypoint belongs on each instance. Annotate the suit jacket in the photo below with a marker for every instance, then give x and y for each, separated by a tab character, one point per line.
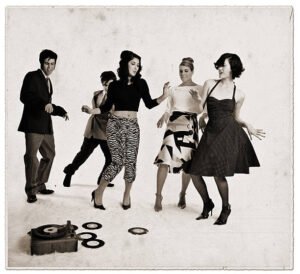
96	125
35	96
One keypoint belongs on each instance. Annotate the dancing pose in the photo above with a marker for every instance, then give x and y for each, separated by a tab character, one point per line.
36	123
181	135
224	148
123	133
95	133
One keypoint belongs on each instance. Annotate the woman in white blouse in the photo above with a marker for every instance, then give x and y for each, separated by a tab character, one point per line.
181	135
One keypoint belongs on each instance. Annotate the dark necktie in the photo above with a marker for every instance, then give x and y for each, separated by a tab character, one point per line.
49	85
49	88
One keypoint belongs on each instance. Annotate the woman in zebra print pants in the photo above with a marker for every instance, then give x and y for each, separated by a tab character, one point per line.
122	129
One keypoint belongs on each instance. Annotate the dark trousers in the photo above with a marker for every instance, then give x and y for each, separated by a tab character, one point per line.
86	150
37	172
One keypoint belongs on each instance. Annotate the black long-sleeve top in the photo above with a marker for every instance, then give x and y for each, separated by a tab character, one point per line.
127	97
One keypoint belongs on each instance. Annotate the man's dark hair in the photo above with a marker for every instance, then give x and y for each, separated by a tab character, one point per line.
47	53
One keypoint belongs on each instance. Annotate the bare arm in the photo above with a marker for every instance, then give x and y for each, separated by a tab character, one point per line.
89	110
258	133
205	90
165	117
196	94
94	110
166	90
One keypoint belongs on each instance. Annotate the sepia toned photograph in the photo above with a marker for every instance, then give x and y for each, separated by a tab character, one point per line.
149	137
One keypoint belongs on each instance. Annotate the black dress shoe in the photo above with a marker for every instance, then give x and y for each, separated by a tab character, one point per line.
67	180
31	199
46	191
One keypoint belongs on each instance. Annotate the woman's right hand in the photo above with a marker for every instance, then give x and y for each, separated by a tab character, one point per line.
195	95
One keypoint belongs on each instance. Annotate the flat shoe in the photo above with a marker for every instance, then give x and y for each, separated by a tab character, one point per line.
46	191
31	199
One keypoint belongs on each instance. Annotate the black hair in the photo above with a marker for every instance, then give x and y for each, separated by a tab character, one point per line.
47	53
107	75
126	57
234	61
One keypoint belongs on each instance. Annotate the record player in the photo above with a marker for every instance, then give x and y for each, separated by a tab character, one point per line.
53	238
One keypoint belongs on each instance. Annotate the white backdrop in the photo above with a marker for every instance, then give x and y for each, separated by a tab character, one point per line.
90	40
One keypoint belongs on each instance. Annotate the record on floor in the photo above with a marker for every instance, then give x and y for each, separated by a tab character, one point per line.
93	243
85	236
138	230
92	225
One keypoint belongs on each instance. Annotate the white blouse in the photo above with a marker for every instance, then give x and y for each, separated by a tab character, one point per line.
181	100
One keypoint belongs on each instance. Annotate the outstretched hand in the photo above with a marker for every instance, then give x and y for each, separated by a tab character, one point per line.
66	117
258	133
195	95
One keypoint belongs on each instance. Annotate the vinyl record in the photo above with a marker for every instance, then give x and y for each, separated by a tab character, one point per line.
138	230
93	243
50	231
91	225
82	236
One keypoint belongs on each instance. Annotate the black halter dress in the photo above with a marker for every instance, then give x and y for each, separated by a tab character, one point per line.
224	148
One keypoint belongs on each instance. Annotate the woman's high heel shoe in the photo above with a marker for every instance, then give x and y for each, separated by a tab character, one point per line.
158	206
222	220
208	207
95	205
181	203
125	207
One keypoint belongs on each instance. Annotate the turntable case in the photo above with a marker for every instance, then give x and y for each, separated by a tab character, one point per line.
46	246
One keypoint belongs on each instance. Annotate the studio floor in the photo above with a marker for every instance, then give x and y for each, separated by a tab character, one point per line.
258	234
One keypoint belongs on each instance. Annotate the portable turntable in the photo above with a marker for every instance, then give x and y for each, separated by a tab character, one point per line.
53	238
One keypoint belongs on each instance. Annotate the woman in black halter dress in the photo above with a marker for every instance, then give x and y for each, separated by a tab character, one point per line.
224	148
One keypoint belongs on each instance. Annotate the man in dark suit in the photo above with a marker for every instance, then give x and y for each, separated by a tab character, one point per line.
36	123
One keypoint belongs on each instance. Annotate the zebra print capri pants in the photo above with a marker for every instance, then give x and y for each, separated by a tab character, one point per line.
123	137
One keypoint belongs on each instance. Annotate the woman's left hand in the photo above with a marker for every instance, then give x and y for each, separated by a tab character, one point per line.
195	95
258	133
